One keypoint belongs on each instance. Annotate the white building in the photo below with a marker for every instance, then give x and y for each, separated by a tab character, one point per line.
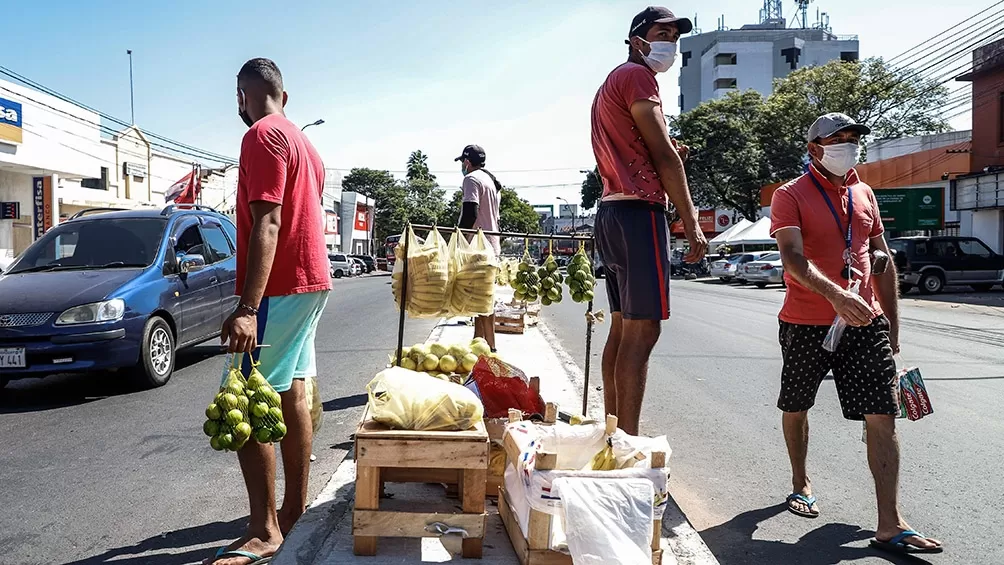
719	62
55	162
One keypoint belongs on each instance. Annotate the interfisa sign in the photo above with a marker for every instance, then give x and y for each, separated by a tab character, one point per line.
10	121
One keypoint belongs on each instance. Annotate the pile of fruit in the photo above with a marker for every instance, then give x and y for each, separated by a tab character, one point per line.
428	275
244	409
526	283
550	282
474	271
441	360
581	281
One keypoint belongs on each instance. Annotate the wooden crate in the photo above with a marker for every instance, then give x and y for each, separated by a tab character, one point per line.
510	323
385	455
496	433
534	549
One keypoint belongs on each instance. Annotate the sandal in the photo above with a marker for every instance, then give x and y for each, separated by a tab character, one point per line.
808	501
223	553
898	544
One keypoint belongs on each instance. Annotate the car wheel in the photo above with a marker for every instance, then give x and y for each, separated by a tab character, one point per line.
338	274
981	287
761	285
932	283
157	354
727	279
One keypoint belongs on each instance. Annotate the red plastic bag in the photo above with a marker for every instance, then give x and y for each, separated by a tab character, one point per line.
502	386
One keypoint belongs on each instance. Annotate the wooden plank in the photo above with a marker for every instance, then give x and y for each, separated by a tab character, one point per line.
472	495
423	454
512	451
419	475
546	461
656	534
367	499
413	524
492	486
511	524
550	413
611	425
658	459
539	530
375	430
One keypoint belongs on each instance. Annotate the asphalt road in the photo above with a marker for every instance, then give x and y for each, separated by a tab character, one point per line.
93	472
712	389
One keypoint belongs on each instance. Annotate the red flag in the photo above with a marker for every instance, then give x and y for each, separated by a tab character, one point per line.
186	190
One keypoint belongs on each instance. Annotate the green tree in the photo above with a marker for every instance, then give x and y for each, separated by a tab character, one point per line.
451	214
592	189
517	215
418	167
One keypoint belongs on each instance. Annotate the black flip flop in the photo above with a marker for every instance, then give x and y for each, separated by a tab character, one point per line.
807	500
898	544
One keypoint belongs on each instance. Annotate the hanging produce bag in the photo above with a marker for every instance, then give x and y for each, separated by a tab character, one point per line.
473	267
407	400
267	423
227	423
313	394
428	274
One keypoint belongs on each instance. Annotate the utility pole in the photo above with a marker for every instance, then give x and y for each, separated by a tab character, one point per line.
132	100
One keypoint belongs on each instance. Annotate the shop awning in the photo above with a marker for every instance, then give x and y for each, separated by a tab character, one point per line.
723	237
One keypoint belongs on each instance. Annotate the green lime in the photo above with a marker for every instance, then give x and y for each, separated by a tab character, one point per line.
211	428
278	431
545	301
275	412
242	431
213	412
228	402
263	435
259	410
234	417
214	442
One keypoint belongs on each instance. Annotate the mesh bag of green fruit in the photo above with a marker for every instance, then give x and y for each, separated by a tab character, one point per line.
581	282
526	283
228	423
265	403
550	280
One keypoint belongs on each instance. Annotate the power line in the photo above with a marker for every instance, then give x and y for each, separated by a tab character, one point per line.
907	54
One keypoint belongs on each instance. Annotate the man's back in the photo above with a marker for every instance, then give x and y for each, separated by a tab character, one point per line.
480	188
279	165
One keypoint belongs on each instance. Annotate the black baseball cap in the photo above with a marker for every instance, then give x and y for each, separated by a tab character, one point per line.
473	153
657	15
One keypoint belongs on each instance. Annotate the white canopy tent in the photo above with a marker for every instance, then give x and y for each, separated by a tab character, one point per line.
756	234
723	238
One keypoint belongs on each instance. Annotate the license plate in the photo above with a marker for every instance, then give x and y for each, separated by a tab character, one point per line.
12	358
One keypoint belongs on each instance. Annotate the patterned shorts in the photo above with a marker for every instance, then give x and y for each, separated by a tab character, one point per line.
863	369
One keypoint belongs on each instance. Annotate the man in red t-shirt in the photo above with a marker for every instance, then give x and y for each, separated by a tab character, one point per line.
640	166
283	283
828	228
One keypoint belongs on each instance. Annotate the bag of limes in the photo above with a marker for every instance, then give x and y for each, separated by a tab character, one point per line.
227	418
267	424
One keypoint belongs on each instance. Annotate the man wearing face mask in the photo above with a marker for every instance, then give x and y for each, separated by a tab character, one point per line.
283	283
827	226
480	210
641	168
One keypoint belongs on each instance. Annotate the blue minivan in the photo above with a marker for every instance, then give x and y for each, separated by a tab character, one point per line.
117	290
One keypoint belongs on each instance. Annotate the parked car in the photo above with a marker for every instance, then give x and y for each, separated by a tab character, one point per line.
765	270
117	290
930	263
358	267
368	262
725	269
747	258
341	265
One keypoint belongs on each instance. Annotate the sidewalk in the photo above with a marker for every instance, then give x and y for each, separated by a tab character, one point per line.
323	536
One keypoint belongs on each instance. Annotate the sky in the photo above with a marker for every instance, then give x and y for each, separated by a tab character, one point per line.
389	77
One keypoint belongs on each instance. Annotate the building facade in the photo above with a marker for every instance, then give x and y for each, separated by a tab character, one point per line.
719	62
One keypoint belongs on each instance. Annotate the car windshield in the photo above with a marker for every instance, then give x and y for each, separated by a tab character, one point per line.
94	244
735	258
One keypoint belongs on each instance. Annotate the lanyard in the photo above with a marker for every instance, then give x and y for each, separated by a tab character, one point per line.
833	210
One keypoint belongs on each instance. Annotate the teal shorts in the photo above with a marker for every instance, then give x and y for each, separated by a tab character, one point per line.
288	326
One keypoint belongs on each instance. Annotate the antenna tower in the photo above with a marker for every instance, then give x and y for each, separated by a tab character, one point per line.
771	11
802	13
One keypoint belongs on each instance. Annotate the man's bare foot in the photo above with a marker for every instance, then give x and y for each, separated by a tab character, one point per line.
262	547
884	536
801	501
288	518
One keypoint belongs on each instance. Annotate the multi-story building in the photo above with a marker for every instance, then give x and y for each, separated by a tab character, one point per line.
723	61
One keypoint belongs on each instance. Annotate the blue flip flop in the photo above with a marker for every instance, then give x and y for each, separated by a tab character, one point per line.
898	544
807	500
255	558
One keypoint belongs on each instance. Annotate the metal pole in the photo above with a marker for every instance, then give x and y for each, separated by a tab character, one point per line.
132	100
404	293
589	333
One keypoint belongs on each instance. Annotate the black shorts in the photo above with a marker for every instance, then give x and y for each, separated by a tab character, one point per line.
632	238
863	369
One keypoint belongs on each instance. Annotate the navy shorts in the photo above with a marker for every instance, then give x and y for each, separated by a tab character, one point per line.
632	238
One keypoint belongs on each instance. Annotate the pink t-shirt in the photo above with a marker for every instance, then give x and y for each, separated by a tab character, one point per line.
278	164
624	160
800	205
480	189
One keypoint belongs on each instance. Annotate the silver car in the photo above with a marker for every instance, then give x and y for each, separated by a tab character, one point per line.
725	269
765	270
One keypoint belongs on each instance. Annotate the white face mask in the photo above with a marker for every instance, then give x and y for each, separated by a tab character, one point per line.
839	158
661	57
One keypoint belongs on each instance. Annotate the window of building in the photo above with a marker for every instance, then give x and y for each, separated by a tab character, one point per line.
686	57
681	102
725	83
791	55
216	242
848	56
725	59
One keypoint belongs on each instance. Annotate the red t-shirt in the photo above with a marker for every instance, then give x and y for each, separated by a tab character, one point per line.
799	204
279	165
624	160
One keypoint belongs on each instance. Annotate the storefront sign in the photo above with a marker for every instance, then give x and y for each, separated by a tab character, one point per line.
705	220
331	221
10	210
10	121
362	220
911	209
42	200
134	169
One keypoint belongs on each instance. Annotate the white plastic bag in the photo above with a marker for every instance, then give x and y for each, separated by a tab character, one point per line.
832	339
607	521
407	400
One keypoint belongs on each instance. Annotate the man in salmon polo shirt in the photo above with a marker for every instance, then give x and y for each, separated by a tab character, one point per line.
641	168
828	227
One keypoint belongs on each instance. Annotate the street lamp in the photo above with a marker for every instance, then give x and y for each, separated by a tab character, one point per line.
317	123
